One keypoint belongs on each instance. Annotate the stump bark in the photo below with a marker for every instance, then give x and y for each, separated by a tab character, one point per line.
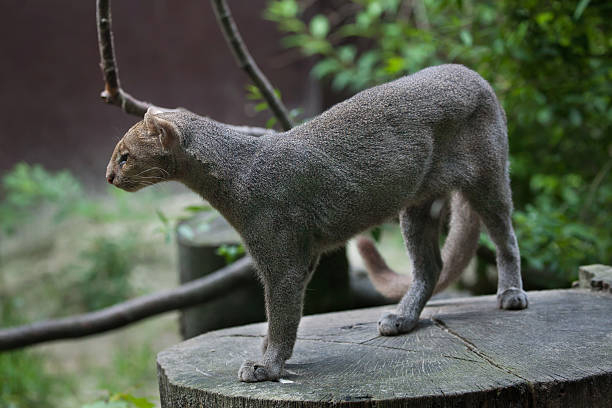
464	353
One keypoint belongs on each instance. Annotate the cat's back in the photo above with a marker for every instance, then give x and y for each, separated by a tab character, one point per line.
434	94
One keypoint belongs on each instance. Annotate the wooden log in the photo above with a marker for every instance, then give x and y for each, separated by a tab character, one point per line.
464	353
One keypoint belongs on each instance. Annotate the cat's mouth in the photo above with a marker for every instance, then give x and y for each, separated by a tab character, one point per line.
129	186
125	184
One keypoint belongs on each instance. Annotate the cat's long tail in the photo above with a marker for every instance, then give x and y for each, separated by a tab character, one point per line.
459	248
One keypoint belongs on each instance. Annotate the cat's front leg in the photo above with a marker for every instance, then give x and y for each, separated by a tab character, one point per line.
284	293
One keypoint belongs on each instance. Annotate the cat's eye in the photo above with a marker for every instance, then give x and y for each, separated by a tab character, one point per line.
123	159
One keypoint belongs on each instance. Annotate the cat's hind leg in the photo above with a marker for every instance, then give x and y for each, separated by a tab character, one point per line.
420	228
493	202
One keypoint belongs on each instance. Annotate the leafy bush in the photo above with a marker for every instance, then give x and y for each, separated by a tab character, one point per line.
121	400
27	187
564	227
549	62
24	380
105	273
132	368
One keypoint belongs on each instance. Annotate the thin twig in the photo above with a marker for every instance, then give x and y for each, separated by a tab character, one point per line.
246	62
198	291
113	93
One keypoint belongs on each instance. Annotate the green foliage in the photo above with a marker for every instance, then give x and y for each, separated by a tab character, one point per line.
261	105
121	400
132	367
24	380
105	272
559	232
27	187
231	253
168	224
550	64
376	233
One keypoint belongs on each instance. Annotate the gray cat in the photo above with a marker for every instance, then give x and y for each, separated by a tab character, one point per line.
407	147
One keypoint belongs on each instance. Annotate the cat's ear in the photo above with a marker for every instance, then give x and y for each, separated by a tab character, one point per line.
164	130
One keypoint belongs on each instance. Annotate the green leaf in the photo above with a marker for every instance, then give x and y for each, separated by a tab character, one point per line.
271	122
347	53
230	252
544	116
544	18
466	37
580	8
319	26
198	208
394	64
376	233
313	46
374	9
341	80
262	106
137	402
253	92
326	67
162	217
109	404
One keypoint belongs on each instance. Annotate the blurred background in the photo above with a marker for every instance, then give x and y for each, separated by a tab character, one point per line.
69	244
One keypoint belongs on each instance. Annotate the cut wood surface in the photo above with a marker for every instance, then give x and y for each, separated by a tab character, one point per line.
464	353
596	277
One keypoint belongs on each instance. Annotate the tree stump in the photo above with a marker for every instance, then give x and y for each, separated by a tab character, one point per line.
464	353
595	277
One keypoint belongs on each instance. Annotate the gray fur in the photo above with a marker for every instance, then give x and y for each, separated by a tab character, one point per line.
393	149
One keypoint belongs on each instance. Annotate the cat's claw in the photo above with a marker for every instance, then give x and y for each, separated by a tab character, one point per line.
391	324
512	299
251	371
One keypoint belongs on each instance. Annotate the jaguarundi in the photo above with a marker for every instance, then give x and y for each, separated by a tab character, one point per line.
411	148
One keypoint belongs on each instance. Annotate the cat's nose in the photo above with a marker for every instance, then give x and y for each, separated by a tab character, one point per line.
110	178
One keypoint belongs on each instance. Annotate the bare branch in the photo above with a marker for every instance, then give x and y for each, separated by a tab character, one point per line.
197	291
113	93
246	62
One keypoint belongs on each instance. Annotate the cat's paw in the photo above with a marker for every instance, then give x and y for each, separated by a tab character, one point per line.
391	324
250	371
512	299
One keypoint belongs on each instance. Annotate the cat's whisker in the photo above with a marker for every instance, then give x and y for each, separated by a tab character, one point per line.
151	177
163	171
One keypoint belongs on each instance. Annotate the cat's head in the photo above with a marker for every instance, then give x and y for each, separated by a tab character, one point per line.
146	155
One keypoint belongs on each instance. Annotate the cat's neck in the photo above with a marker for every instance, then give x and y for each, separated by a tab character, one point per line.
215	161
